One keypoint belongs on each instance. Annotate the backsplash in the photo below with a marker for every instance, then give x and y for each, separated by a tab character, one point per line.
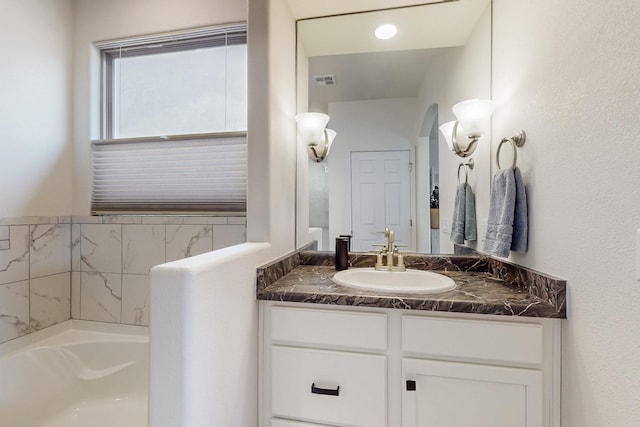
94	268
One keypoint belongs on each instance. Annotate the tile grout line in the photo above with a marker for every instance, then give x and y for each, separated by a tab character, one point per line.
70	271
29	279
80	272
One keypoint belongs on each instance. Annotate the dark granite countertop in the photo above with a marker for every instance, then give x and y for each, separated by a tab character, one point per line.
484	285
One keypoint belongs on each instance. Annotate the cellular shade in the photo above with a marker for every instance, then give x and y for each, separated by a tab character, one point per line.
156	175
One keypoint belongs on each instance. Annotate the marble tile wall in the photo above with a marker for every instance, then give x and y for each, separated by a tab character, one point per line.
94	268
35	276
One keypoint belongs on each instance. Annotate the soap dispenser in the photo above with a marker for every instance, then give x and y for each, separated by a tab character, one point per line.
342	253
348	237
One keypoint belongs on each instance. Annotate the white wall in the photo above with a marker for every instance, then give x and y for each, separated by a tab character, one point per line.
272	129
458	74
204	323
98	20
35	107
204	339
302	159
567	73
372	125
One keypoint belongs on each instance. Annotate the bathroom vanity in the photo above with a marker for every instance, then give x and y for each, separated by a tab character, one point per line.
486	354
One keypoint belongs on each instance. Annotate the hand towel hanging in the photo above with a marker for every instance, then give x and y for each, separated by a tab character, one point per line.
457	223
463	224
501	211
470	229
519	242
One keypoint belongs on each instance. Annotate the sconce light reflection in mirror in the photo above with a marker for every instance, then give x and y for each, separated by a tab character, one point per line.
313	131
473	120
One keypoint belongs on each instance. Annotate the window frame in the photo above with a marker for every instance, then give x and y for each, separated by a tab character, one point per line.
219	35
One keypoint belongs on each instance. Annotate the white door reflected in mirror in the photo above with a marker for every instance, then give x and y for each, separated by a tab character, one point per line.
380	197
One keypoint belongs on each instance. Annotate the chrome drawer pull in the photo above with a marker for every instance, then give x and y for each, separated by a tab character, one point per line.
327	391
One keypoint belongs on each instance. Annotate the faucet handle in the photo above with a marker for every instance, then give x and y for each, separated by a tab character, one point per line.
396	249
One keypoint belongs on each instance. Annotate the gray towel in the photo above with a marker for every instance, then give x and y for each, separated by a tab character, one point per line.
501	211
520	216
457	224
463	225
470	232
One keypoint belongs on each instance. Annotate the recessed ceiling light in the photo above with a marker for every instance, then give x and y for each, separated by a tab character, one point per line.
386	31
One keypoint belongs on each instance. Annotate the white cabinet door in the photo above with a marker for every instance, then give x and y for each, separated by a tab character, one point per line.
448	394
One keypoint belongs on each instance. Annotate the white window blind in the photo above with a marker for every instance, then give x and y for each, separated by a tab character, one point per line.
155	175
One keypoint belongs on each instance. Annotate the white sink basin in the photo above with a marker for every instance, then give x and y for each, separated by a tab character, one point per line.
410	281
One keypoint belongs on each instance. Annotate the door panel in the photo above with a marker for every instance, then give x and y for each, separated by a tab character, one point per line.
380	197
449	394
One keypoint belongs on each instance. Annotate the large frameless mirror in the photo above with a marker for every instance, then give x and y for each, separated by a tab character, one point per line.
388	164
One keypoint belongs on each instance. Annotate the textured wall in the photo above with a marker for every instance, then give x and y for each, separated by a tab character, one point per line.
567	73
35	101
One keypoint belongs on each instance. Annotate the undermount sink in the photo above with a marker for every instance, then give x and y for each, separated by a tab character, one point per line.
409	281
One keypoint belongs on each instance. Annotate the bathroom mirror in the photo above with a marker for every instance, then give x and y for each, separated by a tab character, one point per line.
386	100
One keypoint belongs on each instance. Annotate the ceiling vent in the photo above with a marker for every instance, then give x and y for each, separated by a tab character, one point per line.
325	80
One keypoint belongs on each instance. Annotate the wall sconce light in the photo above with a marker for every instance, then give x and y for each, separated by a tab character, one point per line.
313	131
473	119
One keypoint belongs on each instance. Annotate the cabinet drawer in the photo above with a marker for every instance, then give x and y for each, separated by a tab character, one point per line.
473	339
329	387
329	328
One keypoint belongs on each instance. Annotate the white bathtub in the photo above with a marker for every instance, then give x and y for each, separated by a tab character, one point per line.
76	374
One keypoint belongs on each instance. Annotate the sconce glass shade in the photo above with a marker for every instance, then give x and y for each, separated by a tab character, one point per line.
447	132
319	152
311	127
473	115
331	135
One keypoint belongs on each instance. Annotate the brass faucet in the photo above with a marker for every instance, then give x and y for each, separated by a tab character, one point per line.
387	253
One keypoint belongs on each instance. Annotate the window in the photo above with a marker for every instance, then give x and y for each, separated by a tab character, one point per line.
174	119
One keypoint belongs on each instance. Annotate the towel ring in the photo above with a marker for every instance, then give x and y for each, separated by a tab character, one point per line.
516	141
515	153
465	165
